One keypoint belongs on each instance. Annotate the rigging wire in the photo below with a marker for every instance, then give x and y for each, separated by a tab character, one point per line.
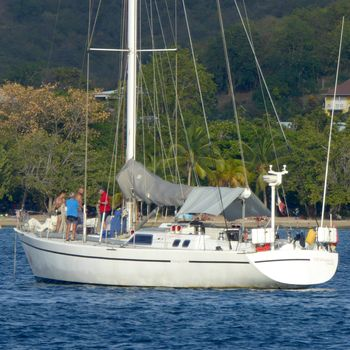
120	94
176	94
177	106
156	120
116	143
160	70
156	113
95	21
262	75
266	109
158	67
172	29
175	84
196	72
140	87
229	75
112	167
154	87
121	87
178	109
141	93
200	93
184	126
113	163
91	31
198	86
120	97
331	125
87	123
162	86
53	39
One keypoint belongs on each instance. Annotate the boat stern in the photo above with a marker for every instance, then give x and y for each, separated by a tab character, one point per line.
299	268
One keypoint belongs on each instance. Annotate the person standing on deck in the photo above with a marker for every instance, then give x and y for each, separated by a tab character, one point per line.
59	207
104	205
72	205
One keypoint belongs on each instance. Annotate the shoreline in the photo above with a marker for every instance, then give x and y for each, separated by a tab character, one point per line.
10	221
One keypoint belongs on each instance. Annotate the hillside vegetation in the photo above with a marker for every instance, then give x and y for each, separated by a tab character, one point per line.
37	36
43	110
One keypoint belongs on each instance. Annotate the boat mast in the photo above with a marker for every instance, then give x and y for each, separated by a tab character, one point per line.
131	106
131	80
131	97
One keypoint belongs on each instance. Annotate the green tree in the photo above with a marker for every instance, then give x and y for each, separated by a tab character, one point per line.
43	130
5	173
65	77
307	159
224	135
240	56
338	192
197	156
227	173
158	77
259	155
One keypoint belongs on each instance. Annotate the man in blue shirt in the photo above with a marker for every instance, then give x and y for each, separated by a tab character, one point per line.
72	206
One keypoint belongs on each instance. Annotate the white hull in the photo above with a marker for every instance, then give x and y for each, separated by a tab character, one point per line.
95	263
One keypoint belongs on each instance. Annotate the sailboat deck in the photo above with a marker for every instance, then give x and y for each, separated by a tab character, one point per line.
154	238
91	239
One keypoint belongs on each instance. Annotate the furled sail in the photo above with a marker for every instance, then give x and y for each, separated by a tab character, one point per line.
223	201
135	181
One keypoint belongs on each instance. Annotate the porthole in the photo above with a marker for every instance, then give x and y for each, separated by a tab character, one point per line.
186	243
176	242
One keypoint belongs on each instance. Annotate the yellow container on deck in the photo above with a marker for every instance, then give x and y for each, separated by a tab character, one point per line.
311	237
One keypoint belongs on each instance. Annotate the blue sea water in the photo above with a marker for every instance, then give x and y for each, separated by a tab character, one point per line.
38	315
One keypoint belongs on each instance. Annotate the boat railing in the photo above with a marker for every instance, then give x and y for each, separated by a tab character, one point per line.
22	219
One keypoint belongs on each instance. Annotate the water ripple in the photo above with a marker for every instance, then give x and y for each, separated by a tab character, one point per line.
37	315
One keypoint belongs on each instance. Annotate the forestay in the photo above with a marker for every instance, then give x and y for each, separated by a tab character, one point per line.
223	201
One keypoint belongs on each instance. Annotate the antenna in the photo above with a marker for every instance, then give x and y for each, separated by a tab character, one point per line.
331	126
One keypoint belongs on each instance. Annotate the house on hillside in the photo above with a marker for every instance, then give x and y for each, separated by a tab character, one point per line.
342	99
106	95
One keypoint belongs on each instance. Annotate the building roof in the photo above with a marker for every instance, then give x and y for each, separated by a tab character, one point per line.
106	95
342	89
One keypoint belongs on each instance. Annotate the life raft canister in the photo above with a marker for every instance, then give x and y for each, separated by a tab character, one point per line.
263	247
311	237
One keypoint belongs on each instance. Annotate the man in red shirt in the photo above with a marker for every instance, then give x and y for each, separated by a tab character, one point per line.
104	205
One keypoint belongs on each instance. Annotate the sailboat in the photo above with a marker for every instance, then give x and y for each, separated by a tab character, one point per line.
181	254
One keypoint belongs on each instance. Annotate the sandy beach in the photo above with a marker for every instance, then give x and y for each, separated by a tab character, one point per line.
10	221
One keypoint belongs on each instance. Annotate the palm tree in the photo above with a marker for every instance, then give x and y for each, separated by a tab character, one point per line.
159	165
260	155
228	173
197	156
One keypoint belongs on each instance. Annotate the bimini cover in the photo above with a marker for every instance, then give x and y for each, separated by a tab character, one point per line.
222	201
135	181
